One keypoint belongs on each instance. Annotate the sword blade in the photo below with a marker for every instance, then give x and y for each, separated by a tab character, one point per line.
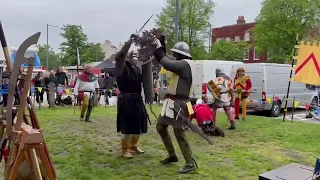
193	127
145	24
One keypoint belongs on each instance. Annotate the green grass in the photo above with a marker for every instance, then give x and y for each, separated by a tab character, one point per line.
91	151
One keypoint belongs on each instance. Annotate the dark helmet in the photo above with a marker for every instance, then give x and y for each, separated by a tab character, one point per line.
182	48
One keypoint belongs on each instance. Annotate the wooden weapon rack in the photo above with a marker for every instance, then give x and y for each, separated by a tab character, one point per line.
29	158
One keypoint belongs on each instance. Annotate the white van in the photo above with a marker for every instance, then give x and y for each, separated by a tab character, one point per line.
271	80
206	71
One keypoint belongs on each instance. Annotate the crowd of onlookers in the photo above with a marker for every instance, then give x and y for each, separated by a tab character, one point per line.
42	80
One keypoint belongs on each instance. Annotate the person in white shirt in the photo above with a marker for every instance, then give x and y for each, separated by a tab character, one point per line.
86	85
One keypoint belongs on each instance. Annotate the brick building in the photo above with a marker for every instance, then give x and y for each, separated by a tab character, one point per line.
240	32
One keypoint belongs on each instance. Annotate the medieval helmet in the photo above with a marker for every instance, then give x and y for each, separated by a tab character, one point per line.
181	48
199	101
219	71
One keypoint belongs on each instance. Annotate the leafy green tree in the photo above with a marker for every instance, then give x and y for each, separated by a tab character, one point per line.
92	53
280	21
74	38
53	58
228	50
193	22
312	34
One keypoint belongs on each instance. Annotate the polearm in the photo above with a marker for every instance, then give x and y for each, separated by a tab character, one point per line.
145	24
5	47
289	84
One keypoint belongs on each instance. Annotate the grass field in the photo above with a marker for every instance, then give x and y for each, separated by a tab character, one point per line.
91	151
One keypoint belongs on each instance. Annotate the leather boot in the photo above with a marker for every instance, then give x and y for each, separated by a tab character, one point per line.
88	114
169	159
232	127
187	168
134	144
126	141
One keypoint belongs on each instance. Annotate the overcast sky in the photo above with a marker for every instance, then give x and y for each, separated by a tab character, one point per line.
114	20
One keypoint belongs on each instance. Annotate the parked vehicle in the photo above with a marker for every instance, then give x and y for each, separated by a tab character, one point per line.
206	71
271	80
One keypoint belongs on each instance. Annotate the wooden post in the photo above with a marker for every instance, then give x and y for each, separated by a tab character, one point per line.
51	95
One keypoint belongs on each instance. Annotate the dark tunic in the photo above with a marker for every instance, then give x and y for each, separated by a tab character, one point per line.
132	117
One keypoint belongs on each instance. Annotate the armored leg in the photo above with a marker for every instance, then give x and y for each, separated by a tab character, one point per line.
227	110
214	111
134	144
125	143
90	108
185	149
236	108
244	108
162	129
84	107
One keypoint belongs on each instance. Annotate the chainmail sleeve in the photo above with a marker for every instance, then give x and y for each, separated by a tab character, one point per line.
121	56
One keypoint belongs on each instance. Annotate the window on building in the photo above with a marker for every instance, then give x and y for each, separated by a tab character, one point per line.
246	55
228	38
247	36
237	38
256	54
218	39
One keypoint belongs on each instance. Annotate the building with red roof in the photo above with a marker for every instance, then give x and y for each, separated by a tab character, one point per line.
240	32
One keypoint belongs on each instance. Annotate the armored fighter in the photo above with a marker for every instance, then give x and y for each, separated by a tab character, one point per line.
242	86
132	117
180	88
222	92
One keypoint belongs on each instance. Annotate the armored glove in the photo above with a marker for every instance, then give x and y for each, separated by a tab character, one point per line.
156	42
134	36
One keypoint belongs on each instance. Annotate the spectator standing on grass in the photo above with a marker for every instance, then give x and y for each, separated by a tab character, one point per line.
50	79
156	88
62	77
100	81
39	83
108	85
5	86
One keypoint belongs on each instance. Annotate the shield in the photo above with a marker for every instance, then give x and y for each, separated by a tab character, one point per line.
214	90
222	94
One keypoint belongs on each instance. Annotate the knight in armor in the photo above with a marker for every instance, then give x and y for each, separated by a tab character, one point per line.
203	115
181	75
224	85
242	86
86	85
132	117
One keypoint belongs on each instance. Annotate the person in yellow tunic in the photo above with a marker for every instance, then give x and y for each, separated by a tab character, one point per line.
242	86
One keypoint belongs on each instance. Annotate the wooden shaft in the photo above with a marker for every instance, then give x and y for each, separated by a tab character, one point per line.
2	128
45	160
12	152
5	48
34	120
12	171
23	100
7	57
35	164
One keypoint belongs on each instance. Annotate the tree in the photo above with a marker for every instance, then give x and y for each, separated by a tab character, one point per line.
74	38
53	60
193	22
280	21
92	53
228	50
312	34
